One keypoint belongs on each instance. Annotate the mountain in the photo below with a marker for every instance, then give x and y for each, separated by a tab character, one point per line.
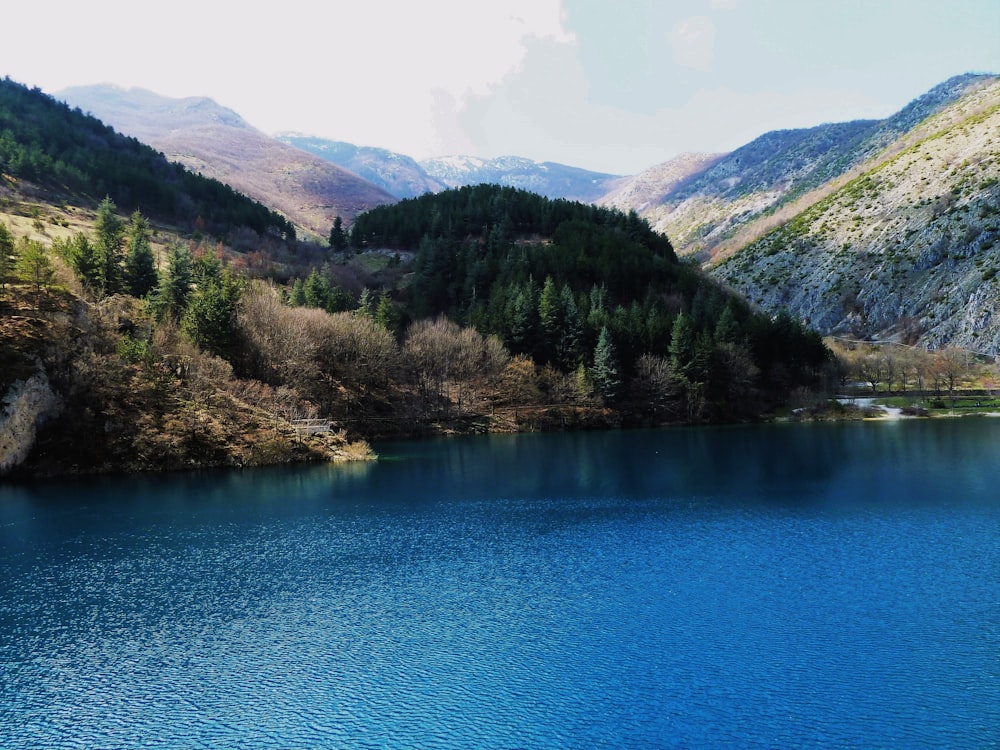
216	142
903	246
548	178
714	210
406	178
395	173
72	158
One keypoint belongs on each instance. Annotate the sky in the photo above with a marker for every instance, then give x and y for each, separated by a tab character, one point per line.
609	86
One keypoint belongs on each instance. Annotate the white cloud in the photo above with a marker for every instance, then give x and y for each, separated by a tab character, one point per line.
693	43
375	72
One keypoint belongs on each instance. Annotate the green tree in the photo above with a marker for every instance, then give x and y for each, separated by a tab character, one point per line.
682	345
521	319
34	265
83	258
387	314
317	290
725	327
571	331
175	286
338	237
110	248
210	318
140	266
297	298
605	372
366	303
8	257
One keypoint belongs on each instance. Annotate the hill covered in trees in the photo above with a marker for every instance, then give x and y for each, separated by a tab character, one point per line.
478	309
591	291
63	150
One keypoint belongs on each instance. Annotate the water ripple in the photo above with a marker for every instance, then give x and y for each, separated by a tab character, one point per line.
425	618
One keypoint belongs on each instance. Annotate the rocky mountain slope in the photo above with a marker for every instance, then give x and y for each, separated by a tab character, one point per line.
736	197
405	177
904	245
208	138
395	173
545	178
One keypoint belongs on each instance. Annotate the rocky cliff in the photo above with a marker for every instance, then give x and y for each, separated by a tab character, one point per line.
905	246
27	404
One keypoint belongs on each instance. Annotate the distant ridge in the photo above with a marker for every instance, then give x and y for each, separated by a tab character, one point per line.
710	206
215	141
405	177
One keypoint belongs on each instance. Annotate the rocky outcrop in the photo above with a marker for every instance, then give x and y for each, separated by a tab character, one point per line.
26	405
906	250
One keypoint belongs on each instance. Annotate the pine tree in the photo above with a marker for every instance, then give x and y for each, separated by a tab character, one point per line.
366	304
571	331
110	246
34	265
83	258
140	267
175	286
298	295
338	237
725	327
605	372
317	290
387	314
521	320
210	318
682	345
8	256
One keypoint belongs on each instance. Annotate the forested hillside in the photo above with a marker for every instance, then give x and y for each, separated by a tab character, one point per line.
565	283
155	319
479	309
68	152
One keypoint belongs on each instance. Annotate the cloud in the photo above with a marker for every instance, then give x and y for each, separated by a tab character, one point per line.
693	43
381	72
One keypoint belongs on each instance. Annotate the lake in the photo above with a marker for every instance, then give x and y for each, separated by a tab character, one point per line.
832	585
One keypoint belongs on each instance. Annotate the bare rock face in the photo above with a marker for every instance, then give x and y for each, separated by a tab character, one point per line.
26	405
906	247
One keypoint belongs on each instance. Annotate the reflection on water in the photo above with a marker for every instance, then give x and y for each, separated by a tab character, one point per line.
769	586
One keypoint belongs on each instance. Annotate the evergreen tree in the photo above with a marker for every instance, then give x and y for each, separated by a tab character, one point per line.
571	331
297	298
83	258
8	257
210	318
338	237
34	264
317	290
175	286
140	267
110	246
549	318
521	320
387	314
206	268
726	328
598	314
682	345
605	372
366	304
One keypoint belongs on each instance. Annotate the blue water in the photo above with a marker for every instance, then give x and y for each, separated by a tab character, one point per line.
773	586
